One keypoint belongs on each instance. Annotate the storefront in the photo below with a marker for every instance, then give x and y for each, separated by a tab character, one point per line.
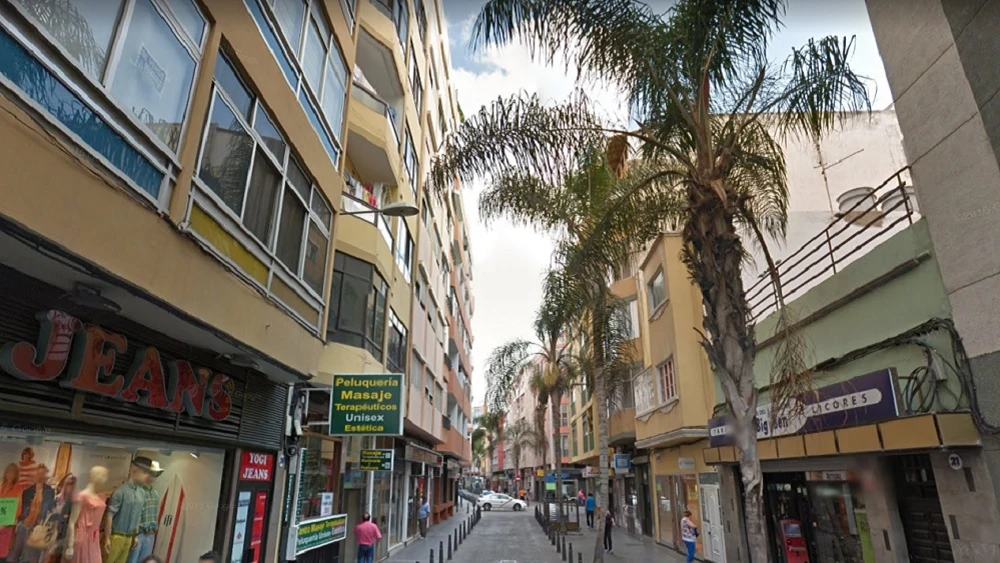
644	499
676	473
96	407
424	470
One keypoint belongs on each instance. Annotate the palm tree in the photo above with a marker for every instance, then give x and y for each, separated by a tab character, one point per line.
709	107
491	422
521	435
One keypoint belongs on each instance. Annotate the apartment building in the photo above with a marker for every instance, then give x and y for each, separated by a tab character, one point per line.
205	180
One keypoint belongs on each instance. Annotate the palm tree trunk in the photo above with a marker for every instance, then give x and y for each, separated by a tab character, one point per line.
601	406
713	254
554	399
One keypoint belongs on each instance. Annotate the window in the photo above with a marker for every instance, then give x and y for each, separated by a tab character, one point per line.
404	249
349	7
410	161
421	20
665	381
657	291
429	388
415	85
439	397
401	18
357	305
416	371
633	318
246	164
158	49
575	450
319	79
564	441
587	432
644	391
396	356
563	416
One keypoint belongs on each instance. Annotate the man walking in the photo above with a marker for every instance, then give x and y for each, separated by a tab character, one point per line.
425	510
609	522
367	533
590	510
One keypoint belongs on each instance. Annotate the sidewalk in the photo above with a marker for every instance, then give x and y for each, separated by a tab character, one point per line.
419	549
627	547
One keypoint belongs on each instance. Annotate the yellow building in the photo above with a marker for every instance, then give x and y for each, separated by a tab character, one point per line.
189	236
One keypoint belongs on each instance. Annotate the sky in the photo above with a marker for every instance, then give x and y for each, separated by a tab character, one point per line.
509	261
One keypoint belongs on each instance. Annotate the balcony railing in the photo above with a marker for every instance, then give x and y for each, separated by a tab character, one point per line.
875	217
351	204
370	99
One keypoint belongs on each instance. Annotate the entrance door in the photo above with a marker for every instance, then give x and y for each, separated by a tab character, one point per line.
711	524
645	506
920	509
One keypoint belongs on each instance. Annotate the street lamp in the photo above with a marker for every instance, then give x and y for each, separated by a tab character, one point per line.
398	209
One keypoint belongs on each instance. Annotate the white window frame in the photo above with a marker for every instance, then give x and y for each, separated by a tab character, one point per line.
404	249
644	392
666	381
653	305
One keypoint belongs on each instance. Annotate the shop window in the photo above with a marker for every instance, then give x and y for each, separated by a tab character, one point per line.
396	356
318	470
247	166
171	493
357	305
657	291
666	381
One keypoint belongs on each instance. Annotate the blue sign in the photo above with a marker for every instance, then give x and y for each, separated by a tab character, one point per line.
861	400
623	462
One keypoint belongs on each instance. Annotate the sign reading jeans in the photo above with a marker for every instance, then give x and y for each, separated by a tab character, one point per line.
861	400
367	404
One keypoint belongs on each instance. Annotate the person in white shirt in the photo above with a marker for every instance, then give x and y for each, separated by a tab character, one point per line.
689	533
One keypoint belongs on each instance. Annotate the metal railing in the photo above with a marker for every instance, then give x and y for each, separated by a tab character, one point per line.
351	204
872	219
372	101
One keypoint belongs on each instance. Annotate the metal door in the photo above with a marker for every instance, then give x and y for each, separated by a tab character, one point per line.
714	540
920	509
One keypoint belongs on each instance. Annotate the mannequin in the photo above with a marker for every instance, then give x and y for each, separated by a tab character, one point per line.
121	521
83	535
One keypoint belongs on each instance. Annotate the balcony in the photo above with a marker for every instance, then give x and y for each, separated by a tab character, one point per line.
621	427
373	139
455	444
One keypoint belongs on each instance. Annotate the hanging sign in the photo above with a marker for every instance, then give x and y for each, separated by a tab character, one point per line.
376	460
256	466
861	400
367	405
82	357
318	533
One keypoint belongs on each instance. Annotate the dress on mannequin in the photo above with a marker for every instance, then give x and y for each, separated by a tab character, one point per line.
87	536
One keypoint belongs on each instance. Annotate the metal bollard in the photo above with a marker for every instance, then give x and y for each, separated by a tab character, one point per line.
564	547
440	552
570	553
579	558
432	555
449	548
558	546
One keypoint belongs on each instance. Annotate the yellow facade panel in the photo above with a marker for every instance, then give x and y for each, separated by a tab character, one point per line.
858	439
821	443
710	455
957	429
767	449
287	295
791	446
727	454
910	433
213	233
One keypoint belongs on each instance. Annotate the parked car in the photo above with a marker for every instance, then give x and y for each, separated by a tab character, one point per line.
500	501
485	492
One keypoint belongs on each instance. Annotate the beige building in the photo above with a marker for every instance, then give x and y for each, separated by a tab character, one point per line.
192	213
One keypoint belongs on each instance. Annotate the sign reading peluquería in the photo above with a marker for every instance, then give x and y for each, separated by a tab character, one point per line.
367	404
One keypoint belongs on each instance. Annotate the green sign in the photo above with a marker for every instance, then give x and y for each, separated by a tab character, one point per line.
376	460
367	405
318	533
8	511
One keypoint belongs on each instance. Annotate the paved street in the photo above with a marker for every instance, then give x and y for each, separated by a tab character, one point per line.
515	537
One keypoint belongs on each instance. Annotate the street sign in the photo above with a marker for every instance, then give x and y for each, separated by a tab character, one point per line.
367	405
376	460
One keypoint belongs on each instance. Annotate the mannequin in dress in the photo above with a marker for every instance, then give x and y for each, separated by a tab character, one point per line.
83	535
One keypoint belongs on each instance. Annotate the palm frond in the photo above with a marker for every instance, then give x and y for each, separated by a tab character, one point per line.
504	366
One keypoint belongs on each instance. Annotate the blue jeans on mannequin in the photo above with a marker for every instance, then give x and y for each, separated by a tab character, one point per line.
690	546
143	549
366	553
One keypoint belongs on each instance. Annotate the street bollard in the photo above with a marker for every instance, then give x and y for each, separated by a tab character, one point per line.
432	555
579	557
558	547
570	553
449	548
564	547
440	552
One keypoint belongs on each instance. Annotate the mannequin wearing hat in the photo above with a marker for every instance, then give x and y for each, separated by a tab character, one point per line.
149	519
83	535
121	521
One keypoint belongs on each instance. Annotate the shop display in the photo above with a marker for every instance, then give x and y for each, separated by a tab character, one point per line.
109	502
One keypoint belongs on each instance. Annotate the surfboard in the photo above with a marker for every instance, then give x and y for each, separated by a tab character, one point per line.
171	522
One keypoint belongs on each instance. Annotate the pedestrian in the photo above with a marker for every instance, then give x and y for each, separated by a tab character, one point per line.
425	510
210	557
609	522
582	497
367	533
689	533
590	510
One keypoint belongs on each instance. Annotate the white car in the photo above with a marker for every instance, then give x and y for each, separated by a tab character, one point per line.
500	501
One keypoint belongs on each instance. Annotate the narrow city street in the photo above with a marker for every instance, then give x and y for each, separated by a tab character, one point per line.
515	537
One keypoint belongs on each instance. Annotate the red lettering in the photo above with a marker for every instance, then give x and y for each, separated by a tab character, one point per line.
220	401
47	360
92	359
187	387
144	382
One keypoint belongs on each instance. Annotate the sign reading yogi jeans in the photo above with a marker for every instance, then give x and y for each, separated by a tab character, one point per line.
367	404
861	400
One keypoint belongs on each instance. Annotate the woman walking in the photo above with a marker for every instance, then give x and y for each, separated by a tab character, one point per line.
609	522
689	533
